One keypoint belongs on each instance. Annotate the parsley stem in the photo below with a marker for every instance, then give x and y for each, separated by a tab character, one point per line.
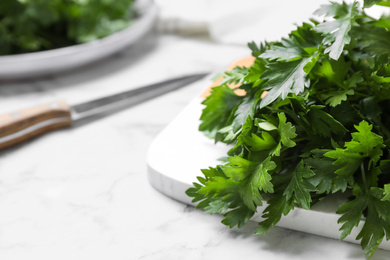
363	172
301	139
361	94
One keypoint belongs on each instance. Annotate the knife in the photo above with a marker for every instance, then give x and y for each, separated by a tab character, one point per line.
22	125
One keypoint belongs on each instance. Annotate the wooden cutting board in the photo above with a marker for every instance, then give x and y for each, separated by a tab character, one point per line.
180	151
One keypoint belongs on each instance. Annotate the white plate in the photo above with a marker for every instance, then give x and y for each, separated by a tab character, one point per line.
52	61
179	152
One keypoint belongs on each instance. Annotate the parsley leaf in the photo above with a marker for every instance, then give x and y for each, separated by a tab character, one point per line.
376	225
288	50
369	3
372	39
278	206
324	174
287	131
290	63
336	32
237	217
299	188
364	144
219	106
323	123
260	180
285	78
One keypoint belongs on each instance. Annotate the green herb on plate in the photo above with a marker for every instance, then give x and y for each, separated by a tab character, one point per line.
37	25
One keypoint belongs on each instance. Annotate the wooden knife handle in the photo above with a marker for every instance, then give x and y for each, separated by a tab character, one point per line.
19	126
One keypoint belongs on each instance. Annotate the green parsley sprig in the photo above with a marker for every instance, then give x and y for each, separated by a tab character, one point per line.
36	25
322	128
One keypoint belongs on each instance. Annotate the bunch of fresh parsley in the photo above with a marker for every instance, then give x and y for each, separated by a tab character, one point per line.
36	25
315	120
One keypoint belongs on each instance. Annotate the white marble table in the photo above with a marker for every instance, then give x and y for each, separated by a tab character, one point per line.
82	193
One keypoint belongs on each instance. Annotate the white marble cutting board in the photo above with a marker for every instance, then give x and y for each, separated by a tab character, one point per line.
178	153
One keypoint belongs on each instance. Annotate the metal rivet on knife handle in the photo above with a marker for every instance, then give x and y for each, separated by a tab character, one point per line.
18	126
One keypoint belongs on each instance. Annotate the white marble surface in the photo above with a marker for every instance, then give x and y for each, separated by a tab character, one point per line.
82	193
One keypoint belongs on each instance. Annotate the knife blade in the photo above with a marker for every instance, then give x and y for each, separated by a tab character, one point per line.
22	125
